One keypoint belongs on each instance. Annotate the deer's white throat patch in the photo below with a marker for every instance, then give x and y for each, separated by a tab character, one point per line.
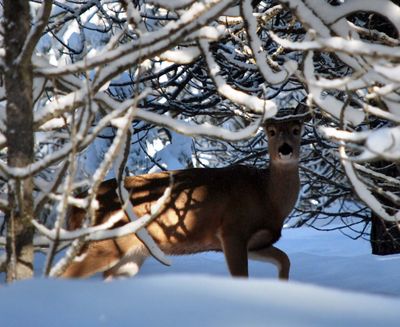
285	156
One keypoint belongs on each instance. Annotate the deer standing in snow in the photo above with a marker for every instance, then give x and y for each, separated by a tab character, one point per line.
238	210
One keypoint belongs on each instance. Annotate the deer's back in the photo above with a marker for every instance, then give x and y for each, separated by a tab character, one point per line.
204	203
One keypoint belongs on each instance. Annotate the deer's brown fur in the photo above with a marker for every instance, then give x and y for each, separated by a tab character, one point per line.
238	210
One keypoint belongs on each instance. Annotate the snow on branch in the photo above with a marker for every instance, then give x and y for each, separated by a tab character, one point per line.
333	133
181	56
125	196
358	80
320	14
307	15
204	129
390	71
210	33
172	4
103	231
4	205
147	46
63	152
388	179
328	103
375	35
187	55
381	113
182	127
59	106
250	102
314	16
336	44
152	44
36	32
260	55
362	190
122	125
383	143
332	14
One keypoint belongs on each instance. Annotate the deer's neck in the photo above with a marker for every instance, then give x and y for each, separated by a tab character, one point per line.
283	184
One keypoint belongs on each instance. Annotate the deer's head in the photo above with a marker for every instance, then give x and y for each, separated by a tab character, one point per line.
284	137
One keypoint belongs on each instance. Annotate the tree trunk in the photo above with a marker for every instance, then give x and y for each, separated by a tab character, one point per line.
20	139
385	236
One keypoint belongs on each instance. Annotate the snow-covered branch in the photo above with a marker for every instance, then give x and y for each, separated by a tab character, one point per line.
383	143
172	5
125	196
339	44
251	102
362	190
181	56
35	32
185	128
328	103
260	55
154	85
123	125
148	45
105	231
199	129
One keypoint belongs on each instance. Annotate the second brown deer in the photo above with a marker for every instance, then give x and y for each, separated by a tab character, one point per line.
238	210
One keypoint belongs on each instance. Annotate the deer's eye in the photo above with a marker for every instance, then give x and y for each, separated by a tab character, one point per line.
271	132
296	131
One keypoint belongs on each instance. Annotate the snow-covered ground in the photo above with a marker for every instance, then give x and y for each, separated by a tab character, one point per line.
335	281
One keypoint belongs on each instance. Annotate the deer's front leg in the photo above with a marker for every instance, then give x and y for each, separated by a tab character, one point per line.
235	251
273	255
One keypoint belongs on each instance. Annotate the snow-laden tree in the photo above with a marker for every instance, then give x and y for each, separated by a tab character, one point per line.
77	56
111	86
357	87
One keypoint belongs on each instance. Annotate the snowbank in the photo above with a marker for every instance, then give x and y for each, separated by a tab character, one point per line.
180	296
190	300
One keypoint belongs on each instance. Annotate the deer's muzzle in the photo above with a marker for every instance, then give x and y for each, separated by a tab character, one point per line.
285	151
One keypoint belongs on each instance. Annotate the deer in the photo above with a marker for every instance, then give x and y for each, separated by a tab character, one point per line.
238	210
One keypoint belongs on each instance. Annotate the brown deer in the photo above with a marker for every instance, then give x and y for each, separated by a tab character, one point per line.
238	210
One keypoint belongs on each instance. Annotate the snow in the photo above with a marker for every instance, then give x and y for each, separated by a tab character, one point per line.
330	281
327	102
172	5
386	8
382	143
391	72
250	102
334	281
150	43
257	48
173	154
181	56
204	129
385	142
336	44
362	190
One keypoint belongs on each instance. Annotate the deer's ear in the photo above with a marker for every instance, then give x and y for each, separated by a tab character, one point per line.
303	111
266	123
306	118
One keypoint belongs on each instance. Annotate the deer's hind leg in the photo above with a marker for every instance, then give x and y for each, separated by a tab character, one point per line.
129	265
273	255
97	257
112	257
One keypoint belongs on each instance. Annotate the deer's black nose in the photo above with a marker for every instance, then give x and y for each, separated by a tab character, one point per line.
285	149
